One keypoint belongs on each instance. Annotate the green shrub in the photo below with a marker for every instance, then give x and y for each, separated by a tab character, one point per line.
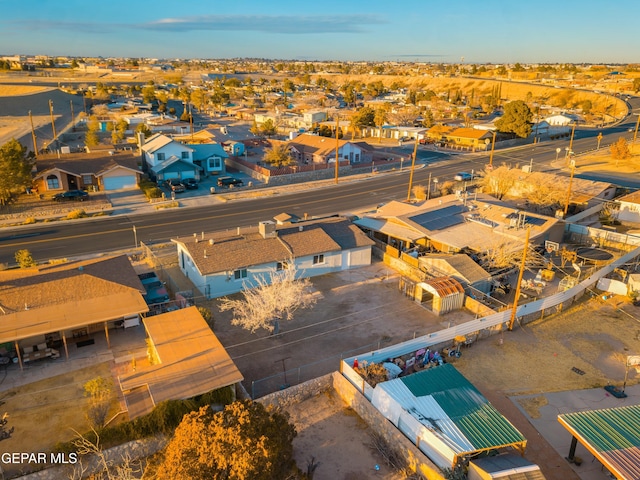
164	418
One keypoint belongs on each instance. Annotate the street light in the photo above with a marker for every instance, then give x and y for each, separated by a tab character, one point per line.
135	236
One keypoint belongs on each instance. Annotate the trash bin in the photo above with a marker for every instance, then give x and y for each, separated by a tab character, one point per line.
212	190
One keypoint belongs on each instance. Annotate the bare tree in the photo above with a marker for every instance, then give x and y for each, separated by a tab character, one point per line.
4	431
509	254
271	299
499	181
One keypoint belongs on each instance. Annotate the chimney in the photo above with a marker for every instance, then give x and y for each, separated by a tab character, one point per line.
267	229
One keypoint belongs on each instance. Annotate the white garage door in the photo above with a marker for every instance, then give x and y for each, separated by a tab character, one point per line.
117	183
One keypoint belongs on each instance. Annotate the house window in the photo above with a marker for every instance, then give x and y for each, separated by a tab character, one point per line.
185	155
240	274
318	259
282	266
214	163
87	179
160	157
52	182
357	158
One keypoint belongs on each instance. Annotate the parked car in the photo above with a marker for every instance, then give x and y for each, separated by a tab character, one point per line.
78	195
175	185
463	177
229	181
190	183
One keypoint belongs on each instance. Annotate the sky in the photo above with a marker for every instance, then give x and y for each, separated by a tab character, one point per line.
487	31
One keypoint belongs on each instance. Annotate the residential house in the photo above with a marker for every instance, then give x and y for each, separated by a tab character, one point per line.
106	170
46	308
629	207
210	157
309	149
233	148
453	224
223	263
165	158
473	138
191	361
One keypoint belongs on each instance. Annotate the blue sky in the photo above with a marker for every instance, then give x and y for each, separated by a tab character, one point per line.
480	31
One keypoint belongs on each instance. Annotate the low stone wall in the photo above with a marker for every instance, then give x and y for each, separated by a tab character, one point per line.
298	393
416	460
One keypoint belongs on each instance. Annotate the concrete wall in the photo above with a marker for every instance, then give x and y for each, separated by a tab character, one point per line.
416	460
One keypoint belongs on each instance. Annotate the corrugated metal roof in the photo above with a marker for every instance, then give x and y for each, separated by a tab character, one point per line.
612	435
477	419
389	228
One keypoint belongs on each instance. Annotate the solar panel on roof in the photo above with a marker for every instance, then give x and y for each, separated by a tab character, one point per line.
440	219
535	221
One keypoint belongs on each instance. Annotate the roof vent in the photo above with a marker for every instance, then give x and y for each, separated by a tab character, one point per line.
211	241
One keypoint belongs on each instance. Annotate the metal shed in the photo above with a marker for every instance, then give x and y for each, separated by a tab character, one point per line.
447	294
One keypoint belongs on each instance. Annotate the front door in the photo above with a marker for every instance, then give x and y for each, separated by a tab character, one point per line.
73	182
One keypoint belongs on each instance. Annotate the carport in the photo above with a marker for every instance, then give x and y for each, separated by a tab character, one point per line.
447	294
612	435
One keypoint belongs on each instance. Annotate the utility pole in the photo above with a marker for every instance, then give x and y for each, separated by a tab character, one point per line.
33	136
53	124
337	148
493	147
573	131
522	267
566	203
73	120
413	165
429	188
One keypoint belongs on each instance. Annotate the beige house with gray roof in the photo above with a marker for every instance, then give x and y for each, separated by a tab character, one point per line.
48	307
222	263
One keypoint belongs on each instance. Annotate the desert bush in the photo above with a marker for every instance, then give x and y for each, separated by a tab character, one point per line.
76	214
29	221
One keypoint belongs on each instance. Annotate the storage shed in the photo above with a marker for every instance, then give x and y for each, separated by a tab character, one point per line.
447	294
504	467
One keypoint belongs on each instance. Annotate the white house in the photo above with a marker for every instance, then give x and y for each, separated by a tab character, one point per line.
222	263
165	158
629	207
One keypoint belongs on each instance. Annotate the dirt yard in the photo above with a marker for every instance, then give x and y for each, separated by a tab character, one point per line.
48	411
594	337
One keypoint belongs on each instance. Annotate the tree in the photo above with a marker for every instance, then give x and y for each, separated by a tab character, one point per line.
499	181
119	131
270	300
149	94
143	128
91	138
620	150
365	117
636	84
24	259
98	390
268	128
279	156
15	169
516	119
245	441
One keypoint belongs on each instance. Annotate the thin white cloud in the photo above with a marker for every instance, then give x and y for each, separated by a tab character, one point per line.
286	24
283	24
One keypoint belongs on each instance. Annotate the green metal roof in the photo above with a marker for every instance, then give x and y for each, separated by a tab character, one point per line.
612	435
471	412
